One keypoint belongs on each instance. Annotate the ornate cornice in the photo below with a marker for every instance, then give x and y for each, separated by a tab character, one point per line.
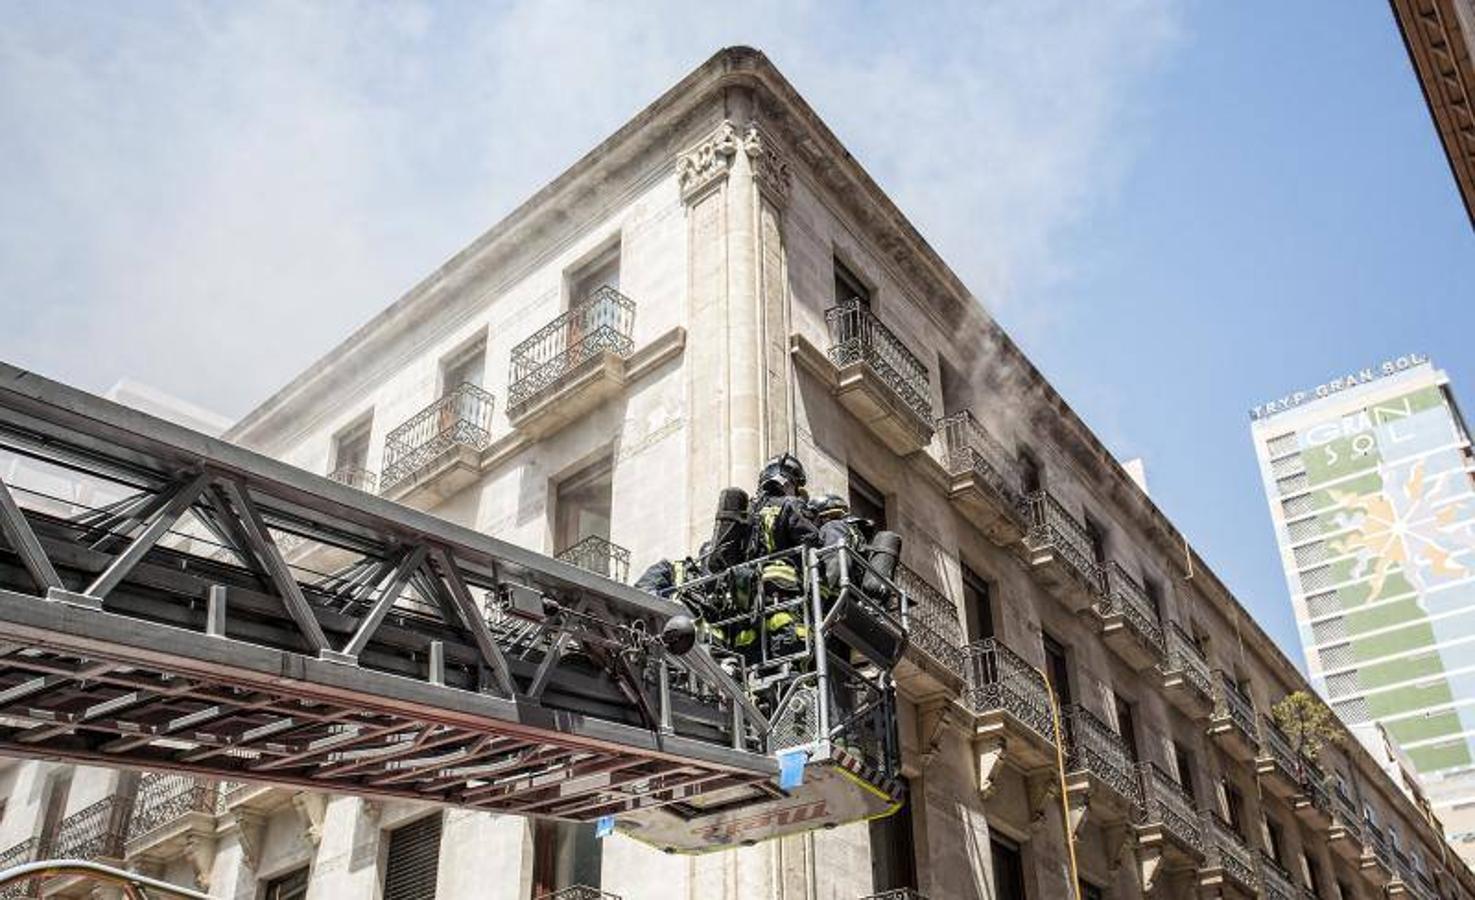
706	165
1439	41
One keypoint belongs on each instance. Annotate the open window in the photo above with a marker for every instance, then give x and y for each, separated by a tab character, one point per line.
848	286
978	606
601	271
867	500
1031	473
565	855
582	505
466	366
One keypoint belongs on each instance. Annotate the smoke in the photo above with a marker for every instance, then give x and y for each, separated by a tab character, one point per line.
208	197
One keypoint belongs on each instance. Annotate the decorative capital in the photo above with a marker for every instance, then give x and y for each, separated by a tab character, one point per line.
707	164
770	165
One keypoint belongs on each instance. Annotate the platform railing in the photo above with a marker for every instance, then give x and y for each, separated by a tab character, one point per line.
1376	841
600	556
1223	849
1051	525
999	679
1121	594
95	831
163	798
356	477
460	418
602	323
1166	803
931	620
1344	811
1093	747
1184	658
857	336
972	449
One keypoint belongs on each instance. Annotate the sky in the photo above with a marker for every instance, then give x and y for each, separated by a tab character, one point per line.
1179	209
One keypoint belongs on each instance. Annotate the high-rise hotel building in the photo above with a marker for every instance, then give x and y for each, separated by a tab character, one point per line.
1369	479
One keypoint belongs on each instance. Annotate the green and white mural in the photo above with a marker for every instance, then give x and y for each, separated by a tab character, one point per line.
1385	554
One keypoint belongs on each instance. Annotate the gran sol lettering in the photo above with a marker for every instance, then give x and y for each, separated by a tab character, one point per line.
774	818
1351	380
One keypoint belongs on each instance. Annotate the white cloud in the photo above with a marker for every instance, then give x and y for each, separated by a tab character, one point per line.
209	199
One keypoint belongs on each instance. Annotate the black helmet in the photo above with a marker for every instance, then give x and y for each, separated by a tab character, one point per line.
790	464
829	506
775	480
866	527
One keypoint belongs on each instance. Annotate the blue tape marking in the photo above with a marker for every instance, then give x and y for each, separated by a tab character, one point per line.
604	826
791	769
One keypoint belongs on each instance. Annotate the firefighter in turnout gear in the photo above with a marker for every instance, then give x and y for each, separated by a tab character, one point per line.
779	523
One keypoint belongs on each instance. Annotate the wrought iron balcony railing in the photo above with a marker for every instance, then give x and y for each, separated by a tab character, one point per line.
931	620
1121	594
164	798
1230	703
602	323
94	832
897	894
1275	882
1052	526
971	449
1165	803
26	851
997	678
1093	747
1274	745
356	477
579	892
1185	659
857	336
1344	812
597	555
461	418
1225	850
1376	842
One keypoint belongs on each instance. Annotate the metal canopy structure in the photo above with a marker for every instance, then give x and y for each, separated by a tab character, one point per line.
189	605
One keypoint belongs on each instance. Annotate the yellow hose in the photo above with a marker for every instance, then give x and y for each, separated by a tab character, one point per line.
1070	839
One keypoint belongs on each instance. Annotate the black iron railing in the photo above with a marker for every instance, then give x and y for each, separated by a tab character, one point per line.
1185	660
1227	851
1376	842
597	555
1275	746
1052	527
971	449
998	679
461	418
1314	787
603	323
356	477
579	892
96	831
1093	747
931	620
1166	804
1230	703
857	336
1275	882
897	894
26	851
163	798
1344	812
1122	595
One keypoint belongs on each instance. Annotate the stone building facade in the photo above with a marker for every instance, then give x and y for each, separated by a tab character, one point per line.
717	282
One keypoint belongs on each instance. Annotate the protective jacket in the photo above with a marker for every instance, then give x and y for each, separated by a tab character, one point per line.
779	524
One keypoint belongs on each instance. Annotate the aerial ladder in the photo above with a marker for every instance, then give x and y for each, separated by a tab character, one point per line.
187	605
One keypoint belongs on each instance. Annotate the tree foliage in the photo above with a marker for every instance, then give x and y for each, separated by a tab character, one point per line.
1307	723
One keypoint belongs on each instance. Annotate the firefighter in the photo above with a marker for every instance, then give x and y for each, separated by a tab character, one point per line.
779	523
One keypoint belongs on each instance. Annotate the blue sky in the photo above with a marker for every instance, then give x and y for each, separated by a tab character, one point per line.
1178	208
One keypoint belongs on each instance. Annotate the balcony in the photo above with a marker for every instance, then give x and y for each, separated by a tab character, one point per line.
356	477
597	555
934	660
1168	822
1345	832
1101	777
1127	621
26	851
572	364
897	894
579	892
1232	724
1312	802
96	833
1229	869
1011	706
1277	764
173	816
983	483
1186	678
1275	882
1403	882
1060	552
438	451
1376	864
878	379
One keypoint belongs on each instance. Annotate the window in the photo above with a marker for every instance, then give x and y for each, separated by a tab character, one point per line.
1274	841
601	271
351	446
1154	591
1234	809
1096	534
581	507
465	367
893	850
1183	763
978	606
867	500
1008	869
1313	876
1057	670
1343	891
1126	723
565	854
954	387
849	287
1031	474
1091	891
292	886
414	859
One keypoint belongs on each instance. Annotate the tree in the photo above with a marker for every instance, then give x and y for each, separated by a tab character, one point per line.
1307	724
